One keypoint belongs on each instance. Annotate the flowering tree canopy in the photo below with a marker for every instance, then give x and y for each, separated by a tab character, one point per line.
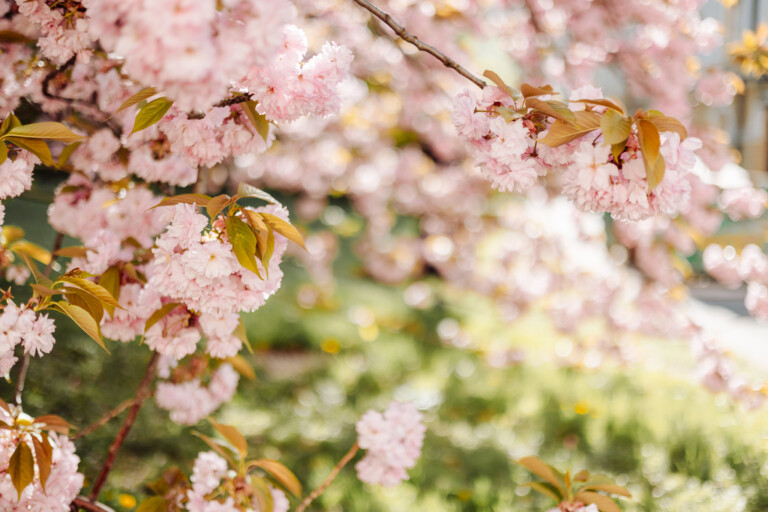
532	184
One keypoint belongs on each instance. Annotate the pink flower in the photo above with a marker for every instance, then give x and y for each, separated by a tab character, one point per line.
393	441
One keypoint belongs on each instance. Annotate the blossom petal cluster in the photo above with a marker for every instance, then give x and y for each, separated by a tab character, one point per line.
393	442
21	325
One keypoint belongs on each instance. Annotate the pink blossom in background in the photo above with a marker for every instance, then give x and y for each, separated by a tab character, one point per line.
393	443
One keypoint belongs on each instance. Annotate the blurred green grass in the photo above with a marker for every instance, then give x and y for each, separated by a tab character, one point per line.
676	447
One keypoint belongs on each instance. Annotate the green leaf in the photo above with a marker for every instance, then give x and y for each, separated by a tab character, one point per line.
243	242
110	281
43	457
161	313
21	467
280	473
618	149
48	130
151	114
615	127
198	199
555	109
284	228
83	319
66	153
216	205
561	132
267	251
153	504
542	470
3	152
35	146
9	122
246	190
259	121
101	293
137	98
233	436
85	300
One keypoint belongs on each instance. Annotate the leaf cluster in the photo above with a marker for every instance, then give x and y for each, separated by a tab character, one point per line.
32	137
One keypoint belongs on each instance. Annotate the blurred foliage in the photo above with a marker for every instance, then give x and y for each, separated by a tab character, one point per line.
673	445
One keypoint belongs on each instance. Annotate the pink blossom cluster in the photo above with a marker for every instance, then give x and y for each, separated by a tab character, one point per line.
64	33
509	157
190	401
63	484
20	325
16	174
743	202
207	474
189	49
291	87
393	442
732	269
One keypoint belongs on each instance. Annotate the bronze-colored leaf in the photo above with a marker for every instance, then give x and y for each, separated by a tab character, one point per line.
242	366
561	132
82	318
546	489
246	190
137	98
284	228
581	476
654	172
48	130
85	300
496	79
110	281
217	447
32	250
153	504
54	423
262	494
43	457
542	470
35	146
197	199
650	142
3	152
555	109
21	467
67	152
603	103
604	503
76	251
529	91
101	293
668	124
233	436
607	488
280	473
243	242
259	121
216	205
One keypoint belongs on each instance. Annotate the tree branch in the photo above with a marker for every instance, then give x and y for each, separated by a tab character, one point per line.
403	34
104	419
142	392
242	98
81	502
335	471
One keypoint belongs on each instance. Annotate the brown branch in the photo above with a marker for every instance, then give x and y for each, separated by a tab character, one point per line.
142	392
242	98
114	413
403	34
335	471
81	502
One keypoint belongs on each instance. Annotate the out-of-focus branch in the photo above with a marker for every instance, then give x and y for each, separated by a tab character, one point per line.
335	471
81	502
403	34
104	419
142	393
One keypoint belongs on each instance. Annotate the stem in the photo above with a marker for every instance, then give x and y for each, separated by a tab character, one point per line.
242	98
335	471
104	419
141	395
403	34
89	505
26	359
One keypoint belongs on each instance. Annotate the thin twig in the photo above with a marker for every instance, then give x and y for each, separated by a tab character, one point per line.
335	471
89	505
114	413
142	392
242	98
407	36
